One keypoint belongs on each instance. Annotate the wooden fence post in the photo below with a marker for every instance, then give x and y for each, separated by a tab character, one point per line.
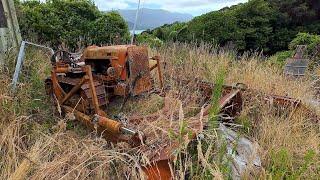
10	36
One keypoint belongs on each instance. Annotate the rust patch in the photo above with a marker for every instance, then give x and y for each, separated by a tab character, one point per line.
139	78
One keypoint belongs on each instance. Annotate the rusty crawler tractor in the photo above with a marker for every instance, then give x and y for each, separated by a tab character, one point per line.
84	86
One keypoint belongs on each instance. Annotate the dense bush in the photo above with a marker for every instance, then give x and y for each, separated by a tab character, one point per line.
311	40
109	28
149	39
74	23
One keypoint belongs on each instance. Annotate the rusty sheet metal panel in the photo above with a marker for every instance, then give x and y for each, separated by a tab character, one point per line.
296	67
283	100
140	77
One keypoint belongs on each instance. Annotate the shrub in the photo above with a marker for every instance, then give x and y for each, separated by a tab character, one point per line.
280	58
73	23
311	40
150	40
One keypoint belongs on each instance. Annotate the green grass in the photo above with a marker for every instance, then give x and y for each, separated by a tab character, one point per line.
216	95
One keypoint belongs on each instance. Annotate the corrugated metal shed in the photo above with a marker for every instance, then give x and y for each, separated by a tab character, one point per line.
9	28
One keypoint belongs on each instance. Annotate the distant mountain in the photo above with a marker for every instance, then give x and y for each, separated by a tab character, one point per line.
152	18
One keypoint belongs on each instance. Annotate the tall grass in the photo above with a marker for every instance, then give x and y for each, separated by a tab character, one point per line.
37	144
296	134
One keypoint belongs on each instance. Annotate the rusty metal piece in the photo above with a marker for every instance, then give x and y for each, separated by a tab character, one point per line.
57	90
103	72
139	78
157	58
93	90
288	102
74	89
109	125
283	101
230	103
62	69
110	129
158	170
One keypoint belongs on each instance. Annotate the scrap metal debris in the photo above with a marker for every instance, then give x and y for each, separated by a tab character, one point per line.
242	151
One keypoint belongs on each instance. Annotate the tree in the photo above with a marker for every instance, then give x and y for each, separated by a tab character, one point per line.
254	25
73	23
292	17
109	28
264	25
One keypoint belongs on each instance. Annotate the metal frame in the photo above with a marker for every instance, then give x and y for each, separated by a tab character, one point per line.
111	129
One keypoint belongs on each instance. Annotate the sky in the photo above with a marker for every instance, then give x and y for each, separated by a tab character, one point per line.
193	7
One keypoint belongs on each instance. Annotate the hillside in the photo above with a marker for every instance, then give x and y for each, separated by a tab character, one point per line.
152	18
258	25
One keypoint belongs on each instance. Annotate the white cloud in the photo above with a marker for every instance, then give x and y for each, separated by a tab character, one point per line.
106	5
186	6
198	7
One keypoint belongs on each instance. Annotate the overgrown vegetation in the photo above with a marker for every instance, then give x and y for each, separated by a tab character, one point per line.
36	143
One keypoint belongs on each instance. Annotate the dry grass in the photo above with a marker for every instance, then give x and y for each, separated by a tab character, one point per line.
31	148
